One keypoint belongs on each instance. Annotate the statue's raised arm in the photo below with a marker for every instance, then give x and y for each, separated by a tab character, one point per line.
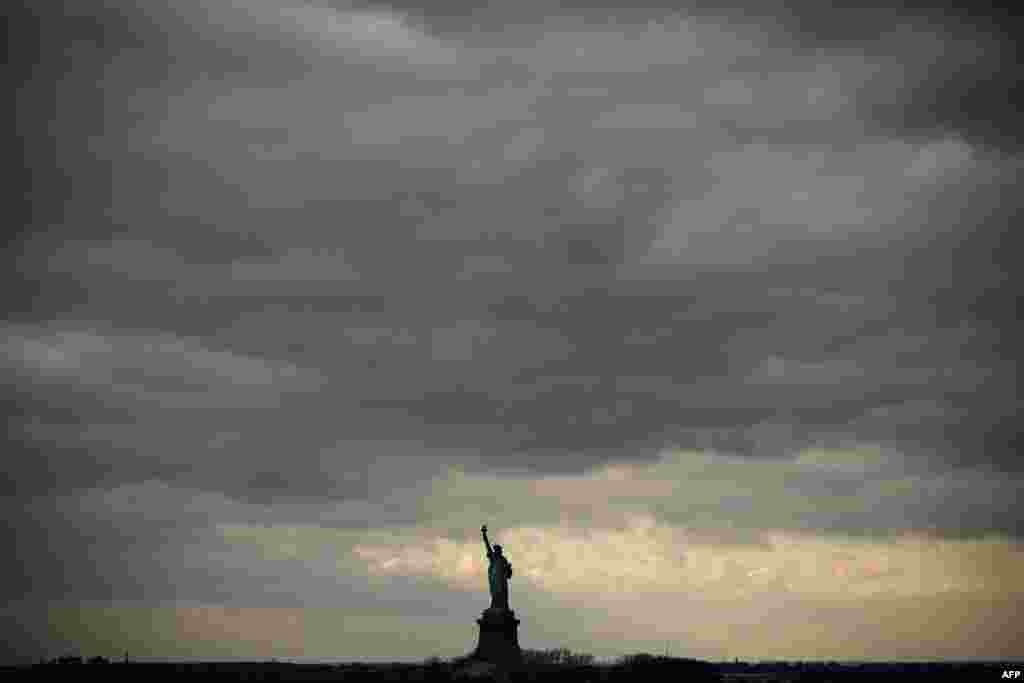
487	543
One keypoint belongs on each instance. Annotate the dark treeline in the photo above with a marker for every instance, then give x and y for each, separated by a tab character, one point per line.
558	665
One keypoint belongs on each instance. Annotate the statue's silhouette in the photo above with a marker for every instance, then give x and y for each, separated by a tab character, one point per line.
498	573
499	628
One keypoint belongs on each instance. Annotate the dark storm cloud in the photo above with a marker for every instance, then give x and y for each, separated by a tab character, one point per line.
285	235
961	71
964	79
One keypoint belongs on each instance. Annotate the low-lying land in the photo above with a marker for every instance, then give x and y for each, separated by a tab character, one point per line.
555	665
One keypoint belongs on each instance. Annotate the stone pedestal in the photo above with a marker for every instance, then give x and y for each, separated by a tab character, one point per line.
499	637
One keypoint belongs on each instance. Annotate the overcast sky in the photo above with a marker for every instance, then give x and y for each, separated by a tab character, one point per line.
708	314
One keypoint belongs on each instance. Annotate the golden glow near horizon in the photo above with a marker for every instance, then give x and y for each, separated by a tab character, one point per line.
602	550
597	549
630	549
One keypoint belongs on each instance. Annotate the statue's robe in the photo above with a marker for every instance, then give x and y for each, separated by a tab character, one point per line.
498	574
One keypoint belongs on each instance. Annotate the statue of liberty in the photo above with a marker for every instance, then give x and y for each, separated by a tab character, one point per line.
498	573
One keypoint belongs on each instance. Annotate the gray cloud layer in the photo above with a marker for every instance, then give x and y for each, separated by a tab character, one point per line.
458	250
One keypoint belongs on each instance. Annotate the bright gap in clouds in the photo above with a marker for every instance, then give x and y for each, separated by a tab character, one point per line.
608	551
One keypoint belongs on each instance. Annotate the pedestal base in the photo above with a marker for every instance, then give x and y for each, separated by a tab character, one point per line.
499	637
